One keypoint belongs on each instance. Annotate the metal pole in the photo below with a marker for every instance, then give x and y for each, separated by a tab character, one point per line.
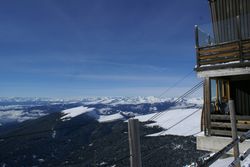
134	143
234	129
209	39
241	158
197	46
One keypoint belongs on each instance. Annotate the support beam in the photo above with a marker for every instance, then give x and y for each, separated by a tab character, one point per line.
134	143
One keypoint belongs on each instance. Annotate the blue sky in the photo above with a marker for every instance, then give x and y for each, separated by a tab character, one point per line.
62	48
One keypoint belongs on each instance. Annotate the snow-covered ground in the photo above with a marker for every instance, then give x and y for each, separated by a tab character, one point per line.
225	162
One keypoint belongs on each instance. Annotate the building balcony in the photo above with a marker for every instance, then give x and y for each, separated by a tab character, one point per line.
223	45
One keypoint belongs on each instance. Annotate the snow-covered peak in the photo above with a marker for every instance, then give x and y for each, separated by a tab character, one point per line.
100	107
73	112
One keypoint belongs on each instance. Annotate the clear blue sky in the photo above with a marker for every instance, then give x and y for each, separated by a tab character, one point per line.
76	48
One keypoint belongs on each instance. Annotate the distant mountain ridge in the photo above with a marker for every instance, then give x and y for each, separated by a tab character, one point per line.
91	100
14	110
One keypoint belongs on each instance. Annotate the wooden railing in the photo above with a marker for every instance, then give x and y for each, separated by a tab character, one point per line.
236	53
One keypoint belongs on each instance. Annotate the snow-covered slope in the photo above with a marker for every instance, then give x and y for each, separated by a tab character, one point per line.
76	111
110	118
183	122
73	112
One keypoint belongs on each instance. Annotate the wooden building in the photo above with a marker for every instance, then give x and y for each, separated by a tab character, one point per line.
223	60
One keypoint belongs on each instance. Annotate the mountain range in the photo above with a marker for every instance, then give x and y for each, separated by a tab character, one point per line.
93	131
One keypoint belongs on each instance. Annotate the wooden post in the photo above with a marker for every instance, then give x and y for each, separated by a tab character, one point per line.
207	102
234	130
134	143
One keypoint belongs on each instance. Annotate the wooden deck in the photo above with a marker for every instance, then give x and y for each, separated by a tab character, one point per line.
225	55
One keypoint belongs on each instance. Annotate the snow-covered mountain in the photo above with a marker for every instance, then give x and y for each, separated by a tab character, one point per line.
70	132
183	122
14	110
91	100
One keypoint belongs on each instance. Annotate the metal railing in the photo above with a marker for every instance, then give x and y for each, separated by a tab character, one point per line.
207	162
229	30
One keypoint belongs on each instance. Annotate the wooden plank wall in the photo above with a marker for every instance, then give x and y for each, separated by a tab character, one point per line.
224	13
